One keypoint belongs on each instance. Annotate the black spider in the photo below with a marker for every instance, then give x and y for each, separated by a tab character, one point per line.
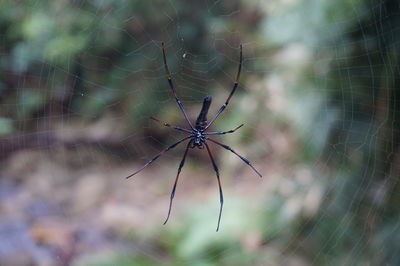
198	135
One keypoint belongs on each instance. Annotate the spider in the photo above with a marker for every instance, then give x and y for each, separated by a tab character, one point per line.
198	135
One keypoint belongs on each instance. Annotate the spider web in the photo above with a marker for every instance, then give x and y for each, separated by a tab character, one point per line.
317	96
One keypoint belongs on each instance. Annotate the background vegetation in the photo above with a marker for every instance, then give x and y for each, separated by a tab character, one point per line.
319	97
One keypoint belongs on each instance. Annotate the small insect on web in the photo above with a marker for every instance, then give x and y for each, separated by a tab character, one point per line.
198	135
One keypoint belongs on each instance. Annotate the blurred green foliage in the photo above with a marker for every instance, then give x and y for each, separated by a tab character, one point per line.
86	56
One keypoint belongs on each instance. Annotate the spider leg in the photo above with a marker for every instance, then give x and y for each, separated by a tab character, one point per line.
241	157
223	132
158	155
171	126
176	181
171	85
232	92
221	196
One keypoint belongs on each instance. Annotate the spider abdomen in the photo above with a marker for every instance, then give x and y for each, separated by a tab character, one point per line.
202	118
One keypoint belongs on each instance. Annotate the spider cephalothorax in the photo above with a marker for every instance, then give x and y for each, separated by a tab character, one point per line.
198	140
198	135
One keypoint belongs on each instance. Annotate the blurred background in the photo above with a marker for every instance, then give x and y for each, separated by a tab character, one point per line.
318	95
